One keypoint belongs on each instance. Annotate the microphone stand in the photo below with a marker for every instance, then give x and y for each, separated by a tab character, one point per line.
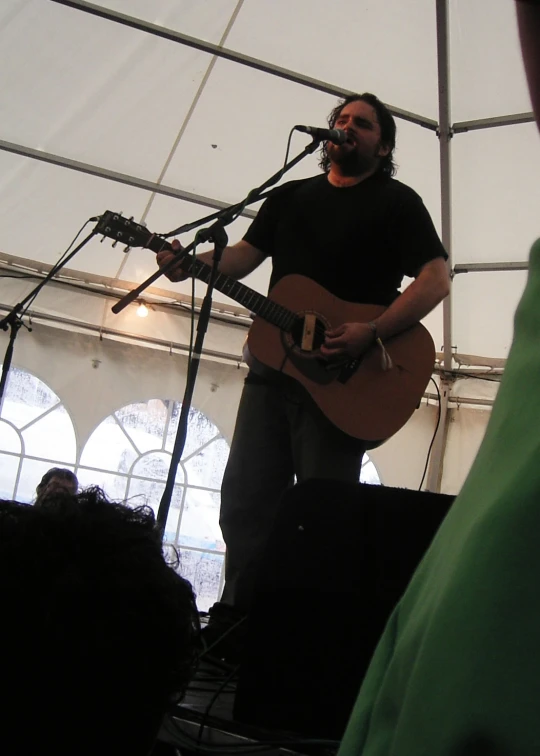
215	233
13	319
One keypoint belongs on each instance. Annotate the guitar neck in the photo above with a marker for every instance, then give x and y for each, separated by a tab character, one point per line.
257	303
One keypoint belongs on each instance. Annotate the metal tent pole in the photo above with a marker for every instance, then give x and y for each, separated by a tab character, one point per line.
445	135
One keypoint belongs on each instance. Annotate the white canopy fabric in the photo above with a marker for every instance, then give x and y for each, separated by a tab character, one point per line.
83	97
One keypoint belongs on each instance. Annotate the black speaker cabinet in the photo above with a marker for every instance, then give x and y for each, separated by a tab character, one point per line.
338	560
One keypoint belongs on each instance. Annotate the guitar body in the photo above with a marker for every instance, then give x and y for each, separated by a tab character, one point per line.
362	399
359	396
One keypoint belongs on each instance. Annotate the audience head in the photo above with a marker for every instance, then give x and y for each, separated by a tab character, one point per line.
99	634
55	480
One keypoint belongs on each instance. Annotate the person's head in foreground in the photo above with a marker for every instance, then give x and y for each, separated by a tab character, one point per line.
98	634
56	480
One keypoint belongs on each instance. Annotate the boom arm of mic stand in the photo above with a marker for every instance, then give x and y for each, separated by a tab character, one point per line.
4	323
224	217
135	293
13	318
258	193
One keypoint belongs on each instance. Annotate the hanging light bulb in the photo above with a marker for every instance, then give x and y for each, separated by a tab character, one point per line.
142	310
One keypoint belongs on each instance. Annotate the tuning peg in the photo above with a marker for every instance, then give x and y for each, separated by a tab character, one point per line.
115	243
127	249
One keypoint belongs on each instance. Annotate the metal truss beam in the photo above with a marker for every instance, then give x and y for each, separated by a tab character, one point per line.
489	267
76	325
489	123
457	400
232	55
160	299
121	178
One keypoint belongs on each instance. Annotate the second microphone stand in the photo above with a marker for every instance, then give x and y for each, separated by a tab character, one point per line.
13	319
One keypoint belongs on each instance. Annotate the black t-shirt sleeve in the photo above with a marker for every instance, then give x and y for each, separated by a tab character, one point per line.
417	239
262	232
263	228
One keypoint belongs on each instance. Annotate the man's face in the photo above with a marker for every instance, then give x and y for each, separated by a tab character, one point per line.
363	148
58	484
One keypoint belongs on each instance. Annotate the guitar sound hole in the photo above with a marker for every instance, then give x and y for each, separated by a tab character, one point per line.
307	333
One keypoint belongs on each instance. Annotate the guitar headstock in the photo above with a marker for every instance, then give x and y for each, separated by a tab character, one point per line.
127	231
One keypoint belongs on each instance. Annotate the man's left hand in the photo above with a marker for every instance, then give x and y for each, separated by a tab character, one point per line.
352	339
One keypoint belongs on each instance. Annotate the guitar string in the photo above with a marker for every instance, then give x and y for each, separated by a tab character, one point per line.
291	317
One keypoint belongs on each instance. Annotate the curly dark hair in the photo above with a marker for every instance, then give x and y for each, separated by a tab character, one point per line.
98	628
387	125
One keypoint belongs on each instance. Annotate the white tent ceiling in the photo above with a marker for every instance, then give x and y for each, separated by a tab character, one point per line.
84	88
190	130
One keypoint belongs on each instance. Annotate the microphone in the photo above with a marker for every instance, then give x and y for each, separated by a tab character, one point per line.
336	136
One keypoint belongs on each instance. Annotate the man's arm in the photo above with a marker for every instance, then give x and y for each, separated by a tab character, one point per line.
236	261
431	286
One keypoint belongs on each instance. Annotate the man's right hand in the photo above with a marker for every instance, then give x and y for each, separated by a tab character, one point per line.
175	273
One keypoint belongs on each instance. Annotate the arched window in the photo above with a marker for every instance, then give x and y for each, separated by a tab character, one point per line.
36	433
128	455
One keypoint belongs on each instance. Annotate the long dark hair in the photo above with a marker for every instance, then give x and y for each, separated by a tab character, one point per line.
386	123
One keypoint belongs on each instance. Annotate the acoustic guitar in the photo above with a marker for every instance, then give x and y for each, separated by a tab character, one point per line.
363	397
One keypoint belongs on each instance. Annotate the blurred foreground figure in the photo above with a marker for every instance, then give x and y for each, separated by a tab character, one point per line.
457	670
98	632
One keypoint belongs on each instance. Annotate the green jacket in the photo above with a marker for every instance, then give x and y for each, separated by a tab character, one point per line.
457	670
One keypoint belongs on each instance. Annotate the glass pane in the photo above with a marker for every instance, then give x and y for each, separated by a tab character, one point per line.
203	571
51	437
207	467
8	473
177	501
9	438
156	465
200	430
369	473
26	398
113	485
109	448
149	493
200	521
144	423
31	473
145	493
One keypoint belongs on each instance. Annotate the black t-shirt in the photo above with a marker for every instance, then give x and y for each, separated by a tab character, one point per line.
358	242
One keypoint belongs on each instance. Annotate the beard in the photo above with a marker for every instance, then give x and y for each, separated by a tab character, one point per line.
351	162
